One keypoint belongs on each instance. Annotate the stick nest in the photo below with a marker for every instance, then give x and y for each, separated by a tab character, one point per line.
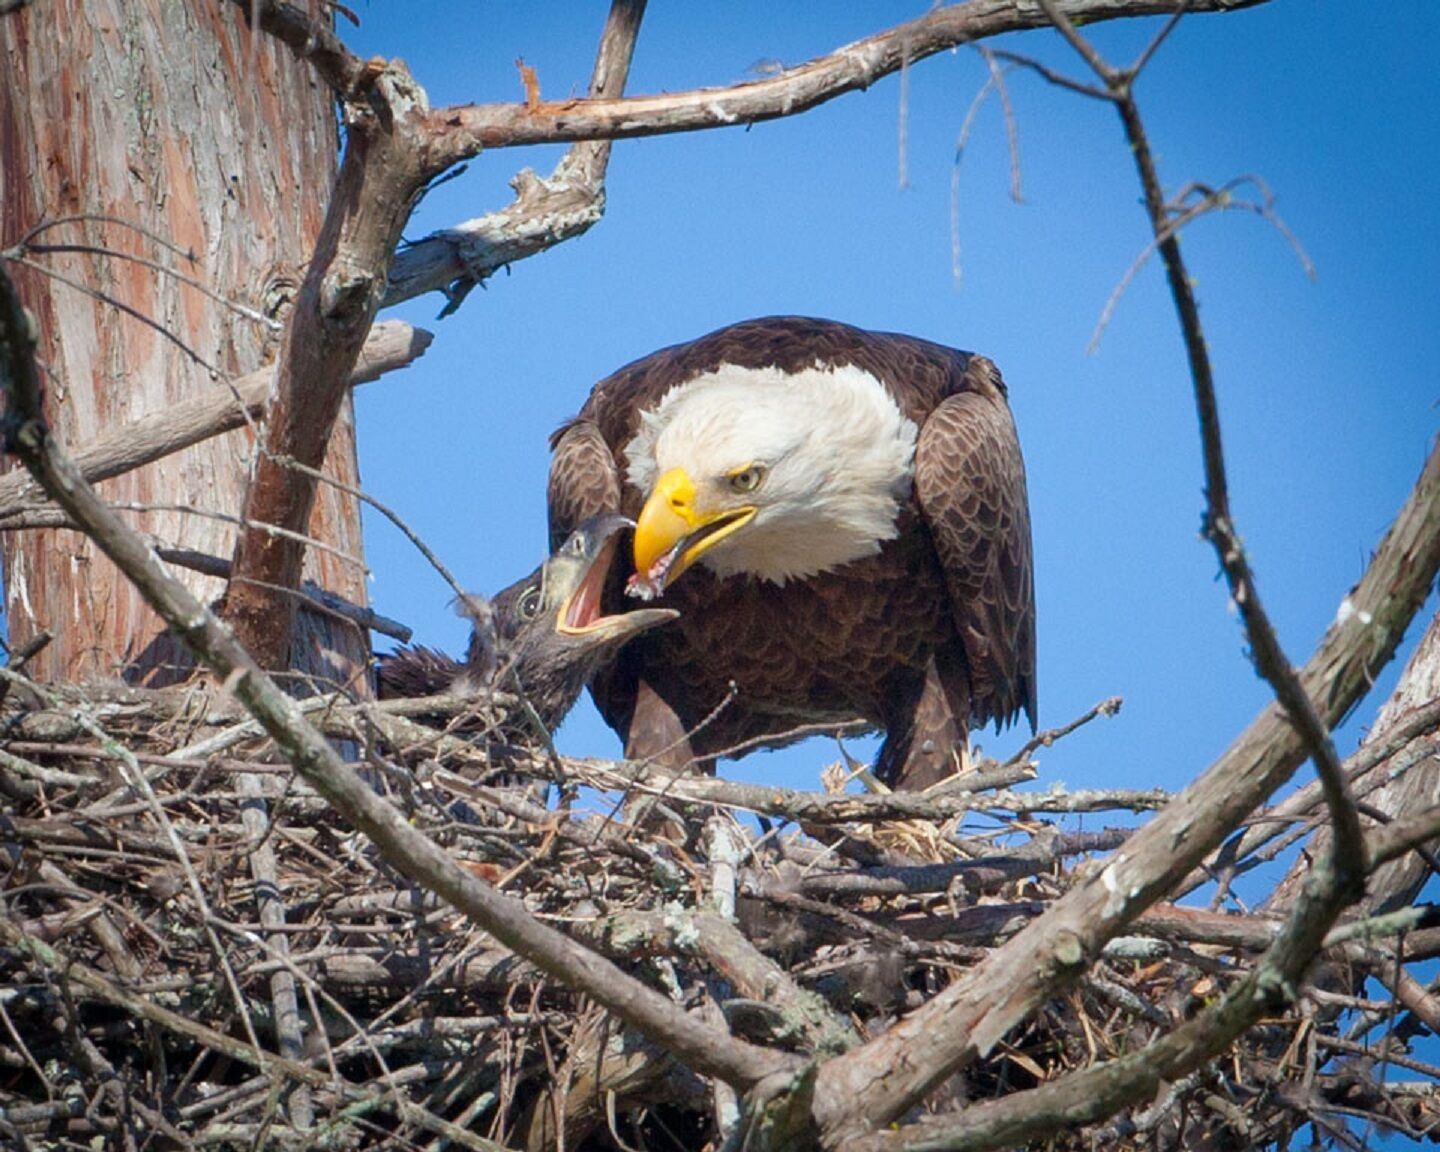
199	954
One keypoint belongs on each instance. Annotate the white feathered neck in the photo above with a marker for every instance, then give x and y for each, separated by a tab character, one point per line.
837	450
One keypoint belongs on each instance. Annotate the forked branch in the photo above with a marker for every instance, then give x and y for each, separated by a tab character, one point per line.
390	155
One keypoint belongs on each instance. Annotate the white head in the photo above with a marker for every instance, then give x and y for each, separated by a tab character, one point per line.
778	475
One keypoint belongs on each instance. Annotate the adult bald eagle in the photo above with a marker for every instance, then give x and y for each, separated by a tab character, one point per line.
840	516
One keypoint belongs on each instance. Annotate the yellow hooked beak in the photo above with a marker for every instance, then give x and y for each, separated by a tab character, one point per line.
672	533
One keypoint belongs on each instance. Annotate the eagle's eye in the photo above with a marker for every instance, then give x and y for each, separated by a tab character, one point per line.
575	545
529	604
748	478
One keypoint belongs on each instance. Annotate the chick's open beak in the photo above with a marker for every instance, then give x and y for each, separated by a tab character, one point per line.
673	532
581	613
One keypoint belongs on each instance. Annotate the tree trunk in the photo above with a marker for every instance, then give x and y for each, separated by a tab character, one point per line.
174	120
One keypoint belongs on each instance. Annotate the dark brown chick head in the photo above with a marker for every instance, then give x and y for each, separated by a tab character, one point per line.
552	633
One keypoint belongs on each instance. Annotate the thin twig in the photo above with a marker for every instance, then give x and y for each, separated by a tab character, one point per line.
1157	40
147	233
120	306
1059	79
1110	706
1012	126
1181	214
165	269
389	513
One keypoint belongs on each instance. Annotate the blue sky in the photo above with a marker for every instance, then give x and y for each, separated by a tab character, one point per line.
1327	389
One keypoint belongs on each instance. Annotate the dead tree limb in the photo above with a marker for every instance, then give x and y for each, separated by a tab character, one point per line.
380	177
311	596
547	210
389	346
462	131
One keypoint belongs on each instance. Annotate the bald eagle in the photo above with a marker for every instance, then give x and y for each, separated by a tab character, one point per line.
544	635
840	517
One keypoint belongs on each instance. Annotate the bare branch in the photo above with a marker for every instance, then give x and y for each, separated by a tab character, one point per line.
162	242
1059	17
1110	706
390	346
968	1018
311	596
119	305
970	875
379	178
313	40
994	81
816	807
1012	128
1160	37
546	211
1181	214
1402	836
1101	1090
30	244
463	131
390	514
1059	79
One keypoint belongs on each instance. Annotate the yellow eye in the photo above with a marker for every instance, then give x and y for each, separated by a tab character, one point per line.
748	478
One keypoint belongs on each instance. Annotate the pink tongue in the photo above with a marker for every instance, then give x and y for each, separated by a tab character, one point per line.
586	607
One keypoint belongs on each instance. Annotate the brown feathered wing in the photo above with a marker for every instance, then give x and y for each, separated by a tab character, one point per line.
970	486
